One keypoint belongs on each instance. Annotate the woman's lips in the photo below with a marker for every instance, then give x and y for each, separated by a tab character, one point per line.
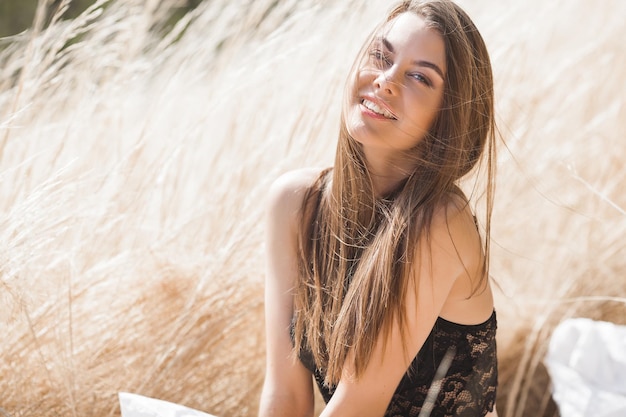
376	109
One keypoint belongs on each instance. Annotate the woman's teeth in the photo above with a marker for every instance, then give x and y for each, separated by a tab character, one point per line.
377	109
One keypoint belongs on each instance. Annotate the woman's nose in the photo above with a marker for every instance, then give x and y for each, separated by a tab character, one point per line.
385	81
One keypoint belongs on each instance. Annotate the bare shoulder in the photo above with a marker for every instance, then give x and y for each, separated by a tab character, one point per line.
295	181
454	231
287	192
457	244
455	217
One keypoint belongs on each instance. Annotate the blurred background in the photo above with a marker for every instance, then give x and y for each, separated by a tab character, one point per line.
138	139
17	15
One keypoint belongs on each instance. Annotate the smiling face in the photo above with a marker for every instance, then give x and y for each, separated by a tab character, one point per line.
398	86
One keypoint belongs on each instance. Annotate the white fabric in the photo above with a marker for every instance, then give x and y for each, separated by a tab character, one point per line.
134	405
587	363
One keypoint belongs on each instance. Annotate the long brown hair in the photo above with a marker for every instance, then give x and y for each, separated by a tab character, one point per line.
356	249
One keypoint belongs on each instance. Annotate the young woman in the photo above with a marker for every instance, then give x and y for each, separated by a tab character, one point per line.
377	277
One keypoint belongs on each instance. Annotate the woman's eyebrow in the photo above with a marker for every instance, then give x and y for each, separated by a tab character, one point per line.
419	63
430	65
385	42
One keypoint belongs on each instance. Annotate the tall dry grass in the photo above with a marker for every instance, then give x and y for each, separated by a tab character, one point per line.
134	166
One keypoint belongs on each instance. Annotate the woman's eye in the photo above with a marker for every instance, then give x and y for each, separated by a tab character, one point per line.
421	78
376	54
379	56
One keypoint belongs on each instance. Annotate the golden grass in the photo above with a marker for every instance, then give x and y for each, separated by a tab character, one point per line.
133	172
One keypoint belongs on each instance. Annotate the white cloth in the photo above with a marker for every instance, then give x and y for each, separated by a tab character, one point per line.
587	363
133	405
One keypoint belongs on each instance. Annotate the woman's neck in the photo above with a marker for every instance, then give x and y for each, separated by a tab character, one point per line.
386	171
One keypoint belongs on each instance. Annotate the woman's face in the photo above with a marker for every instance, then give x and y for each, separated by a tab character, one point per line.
398	86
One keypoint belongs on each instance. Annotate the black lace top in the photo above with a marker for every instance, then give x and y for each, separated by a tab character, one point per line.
453	375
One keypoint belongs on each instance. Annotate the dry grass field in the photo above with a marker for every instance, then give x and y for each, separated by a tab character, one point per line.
134	166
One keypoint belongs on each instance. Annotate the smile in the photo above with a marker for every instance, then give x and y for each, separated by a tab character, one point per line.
377	109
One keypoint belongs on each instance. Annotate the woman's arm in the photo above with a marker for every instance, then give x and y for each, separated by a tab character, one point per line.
288	387
454	256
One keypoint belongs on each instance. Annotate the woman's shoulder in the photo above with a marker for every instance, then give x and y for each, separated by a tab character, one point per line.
295	181
454	210
454	228
288	191
292	185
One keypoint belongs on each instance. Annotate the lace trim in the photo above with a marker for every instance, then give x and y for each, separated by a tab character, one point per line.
467	388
